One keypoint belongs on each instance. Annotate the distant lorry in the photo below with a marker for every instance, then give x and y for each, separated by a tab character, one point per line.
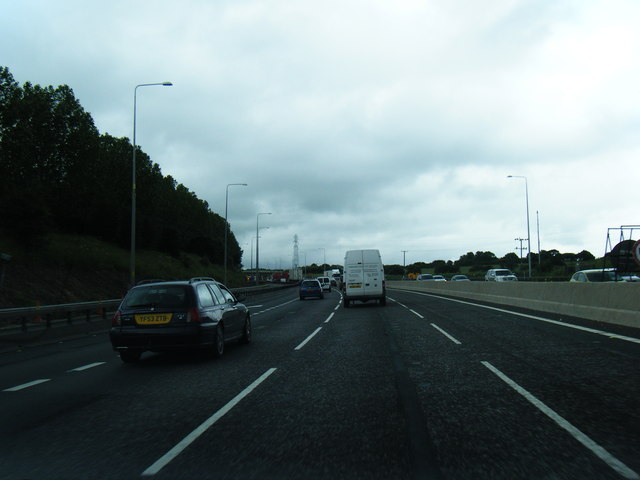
334	274
363	277
280	277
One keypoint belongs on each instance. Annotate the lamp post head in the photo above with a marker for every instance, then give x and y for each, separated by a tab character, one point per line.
167	84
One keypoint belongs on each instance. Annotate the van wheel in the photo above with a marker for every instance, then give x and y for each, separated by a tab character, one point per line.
130	356
383	301
346	303
218	342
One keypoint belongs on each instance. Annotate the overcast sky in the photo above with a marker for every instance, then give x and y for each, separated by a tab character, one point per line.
365	124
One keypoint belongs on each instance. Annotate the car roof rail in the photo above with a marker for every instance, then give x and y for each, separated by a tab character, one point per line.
202	279
151	280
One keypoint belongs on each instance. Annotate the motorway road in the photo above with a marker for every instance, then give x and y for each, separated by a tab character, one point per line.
426	387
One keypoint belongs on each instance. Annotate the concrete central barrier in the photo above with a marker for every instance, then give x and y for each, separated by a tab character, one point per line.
617	303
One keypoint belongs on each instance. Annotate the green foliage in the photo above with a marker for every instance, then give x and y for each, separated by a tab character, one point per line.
58	174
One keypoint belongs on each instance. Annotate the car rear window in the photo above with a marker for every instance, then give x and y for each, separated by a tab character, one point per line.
310	283
157	296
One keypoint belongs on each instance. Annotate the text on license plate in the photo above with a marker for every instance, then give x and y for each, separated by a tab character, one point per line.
153	318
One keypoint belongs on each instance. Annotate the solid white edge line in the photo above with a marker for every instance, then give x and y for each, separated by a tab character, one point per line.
416	313
308	338
329	318
599	451
189	439
26	385
450	337
86	367
535	317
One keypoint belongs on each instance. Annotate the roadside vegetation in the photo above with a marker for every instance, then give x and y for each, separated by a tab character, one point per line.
65	207
548	266
73	268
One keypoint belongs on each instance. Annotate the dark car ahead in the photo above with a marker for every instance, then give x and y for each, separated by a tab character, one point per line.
197	314
310	288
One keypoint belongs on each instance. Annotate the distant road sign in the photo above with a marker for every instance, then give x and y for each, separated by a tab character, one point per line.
636	252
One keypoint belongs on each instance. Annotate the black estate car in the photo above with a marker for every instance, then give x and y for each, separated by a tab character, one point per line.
200	313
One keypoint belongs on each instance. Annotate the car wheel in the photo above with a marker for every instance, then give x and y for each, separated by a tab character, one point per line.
321	296
130	356
301	298
246	331
218	342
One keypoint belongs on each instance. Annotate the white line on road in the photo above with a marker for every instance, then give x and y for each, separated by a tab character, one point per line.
542	319
454	340
271	308
26	385
401	304
86	367
329	318
189	439
308	338
600	452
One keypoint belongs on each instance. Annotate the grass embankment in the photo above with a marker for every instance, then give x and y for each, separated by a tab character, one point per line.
68	269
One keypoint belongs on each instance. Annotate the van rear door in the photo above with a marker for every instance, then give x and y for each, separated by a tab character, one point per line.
373	273
364	274
354	273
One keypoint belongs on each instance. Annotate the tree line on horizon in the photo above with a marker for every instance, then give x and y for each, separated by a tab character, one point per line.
548	263
59	174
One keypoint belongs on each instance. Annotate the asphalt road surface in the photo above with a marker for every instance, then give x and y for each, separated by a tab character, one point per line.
426	387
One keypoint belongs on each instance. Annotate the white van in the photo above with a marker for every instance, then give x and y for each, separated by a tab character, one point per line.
363	277
325	282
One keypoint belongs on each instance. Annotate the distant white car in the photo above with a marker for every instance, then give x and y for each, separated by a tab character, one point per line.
425	277
500	275
439	278
460	278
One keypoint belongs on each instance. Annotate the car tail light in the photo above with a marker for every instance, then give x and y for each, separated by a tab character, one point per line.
116	320
194	315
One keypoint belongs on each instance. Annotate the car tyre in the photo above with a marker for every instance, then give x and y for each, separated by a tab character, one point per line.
218	342
246	331
130	356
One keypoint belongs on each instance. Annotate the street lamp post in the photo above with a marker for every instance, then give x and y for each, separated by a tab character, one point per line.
257	243
226	225
132	264
526	191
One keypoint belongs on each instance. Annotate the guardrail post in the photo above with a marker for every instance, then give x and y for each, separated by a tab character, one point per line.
88	314
23	324
69	314
48	320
